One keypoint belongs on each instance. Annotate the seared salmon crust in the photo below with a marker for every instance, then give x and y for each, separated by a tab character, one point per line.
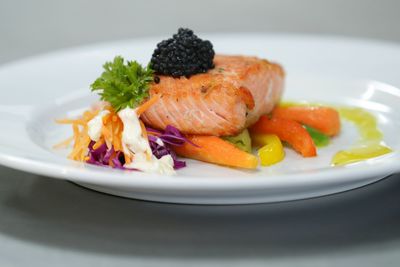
221	102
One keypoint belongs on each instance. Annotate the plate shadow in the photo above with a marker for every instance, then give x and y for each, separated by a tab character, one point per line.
58	213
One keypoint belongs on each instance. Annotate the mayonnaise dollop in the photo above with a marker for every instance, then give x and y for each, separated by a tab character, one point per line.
95	125
132	139
164	165
134	143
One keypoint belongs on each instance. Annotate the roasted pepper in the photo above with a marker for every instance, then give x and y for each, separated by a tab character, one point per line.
287	130
271	151
324	119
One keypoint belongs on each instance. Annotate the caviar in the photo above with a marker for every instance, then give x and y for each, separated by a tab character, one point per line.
184	54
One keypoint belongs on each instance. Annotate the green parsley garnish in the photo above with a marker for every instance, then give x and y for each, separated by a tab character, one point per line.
123	85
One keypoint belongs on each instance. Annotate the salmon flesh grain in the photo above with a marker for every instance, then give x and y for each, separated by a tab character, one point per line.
223	101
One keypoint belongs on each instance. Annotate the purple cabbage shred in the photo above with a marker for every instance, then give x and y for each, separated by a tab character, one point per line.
170	136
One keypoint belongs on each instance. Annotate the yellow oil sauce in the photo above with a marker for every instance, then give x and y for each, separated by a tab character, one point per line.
370	143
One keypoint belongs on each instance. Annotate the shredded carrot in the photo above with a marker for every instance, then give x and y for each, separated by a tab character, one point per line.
98	143
110	130
146	105
110	161
64	143
117	133
82	144
106	133
111	133
90	114
71	121
80	136
107	118
75	128
128	158
109	108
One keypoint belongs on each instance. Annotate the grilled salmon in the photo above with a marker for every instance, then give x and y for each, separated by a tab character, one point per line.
221	102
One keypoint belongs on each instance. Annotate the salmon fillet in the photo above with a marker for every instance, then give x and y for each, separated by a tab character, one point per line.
221	102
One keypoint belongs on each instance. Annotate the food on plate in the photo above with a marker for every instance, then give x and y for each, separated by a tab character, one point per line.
191	102
271	151
223	101
320	139
213	149
184	54
370	143
323	119
289	131
241	141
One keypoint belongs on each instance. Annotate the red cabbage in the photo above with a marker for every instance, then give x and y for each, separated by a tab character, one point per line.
119	160
170	136
96	156
162	150
101	156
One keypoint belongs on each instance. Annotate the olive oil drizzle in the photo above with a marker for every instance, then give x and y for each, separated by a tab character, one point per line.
370	143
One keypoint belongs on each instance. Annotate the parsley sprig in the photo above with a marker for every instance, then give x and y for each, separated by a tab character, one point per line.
123	84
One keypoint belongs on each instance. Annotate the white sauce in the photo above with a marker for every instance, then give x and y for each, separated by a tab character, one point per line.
132	139
164	165
159	142
135	144
95	125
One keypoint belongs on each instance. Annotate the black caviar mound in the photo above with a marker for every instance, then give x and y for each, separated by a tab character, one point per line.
184	54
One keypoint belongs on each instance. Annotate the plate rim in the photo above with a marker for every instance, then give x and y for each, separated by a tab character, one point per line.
145	180
156	181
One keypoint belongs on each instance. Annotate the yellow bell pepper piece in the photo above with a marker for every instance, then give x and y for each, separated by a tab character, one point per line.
271	151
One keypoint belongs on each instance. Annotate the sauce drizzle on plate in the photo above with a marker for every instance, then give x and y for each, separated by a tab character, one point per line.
370	144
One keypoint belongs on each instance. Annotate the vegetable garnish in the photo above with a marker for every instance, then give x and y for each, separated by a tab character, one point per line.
289	131
161	141
271	151
324	119
320	139
80	137
216	150
108	150
113	133
146	105
103	156
241	141
170	135
123	84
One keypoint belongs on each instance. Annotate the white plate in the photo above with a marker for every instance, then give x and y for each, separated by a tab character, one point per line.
331	70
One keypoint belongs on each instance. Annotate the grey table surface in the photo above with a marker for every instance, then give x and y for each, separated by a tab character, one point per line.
48	222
